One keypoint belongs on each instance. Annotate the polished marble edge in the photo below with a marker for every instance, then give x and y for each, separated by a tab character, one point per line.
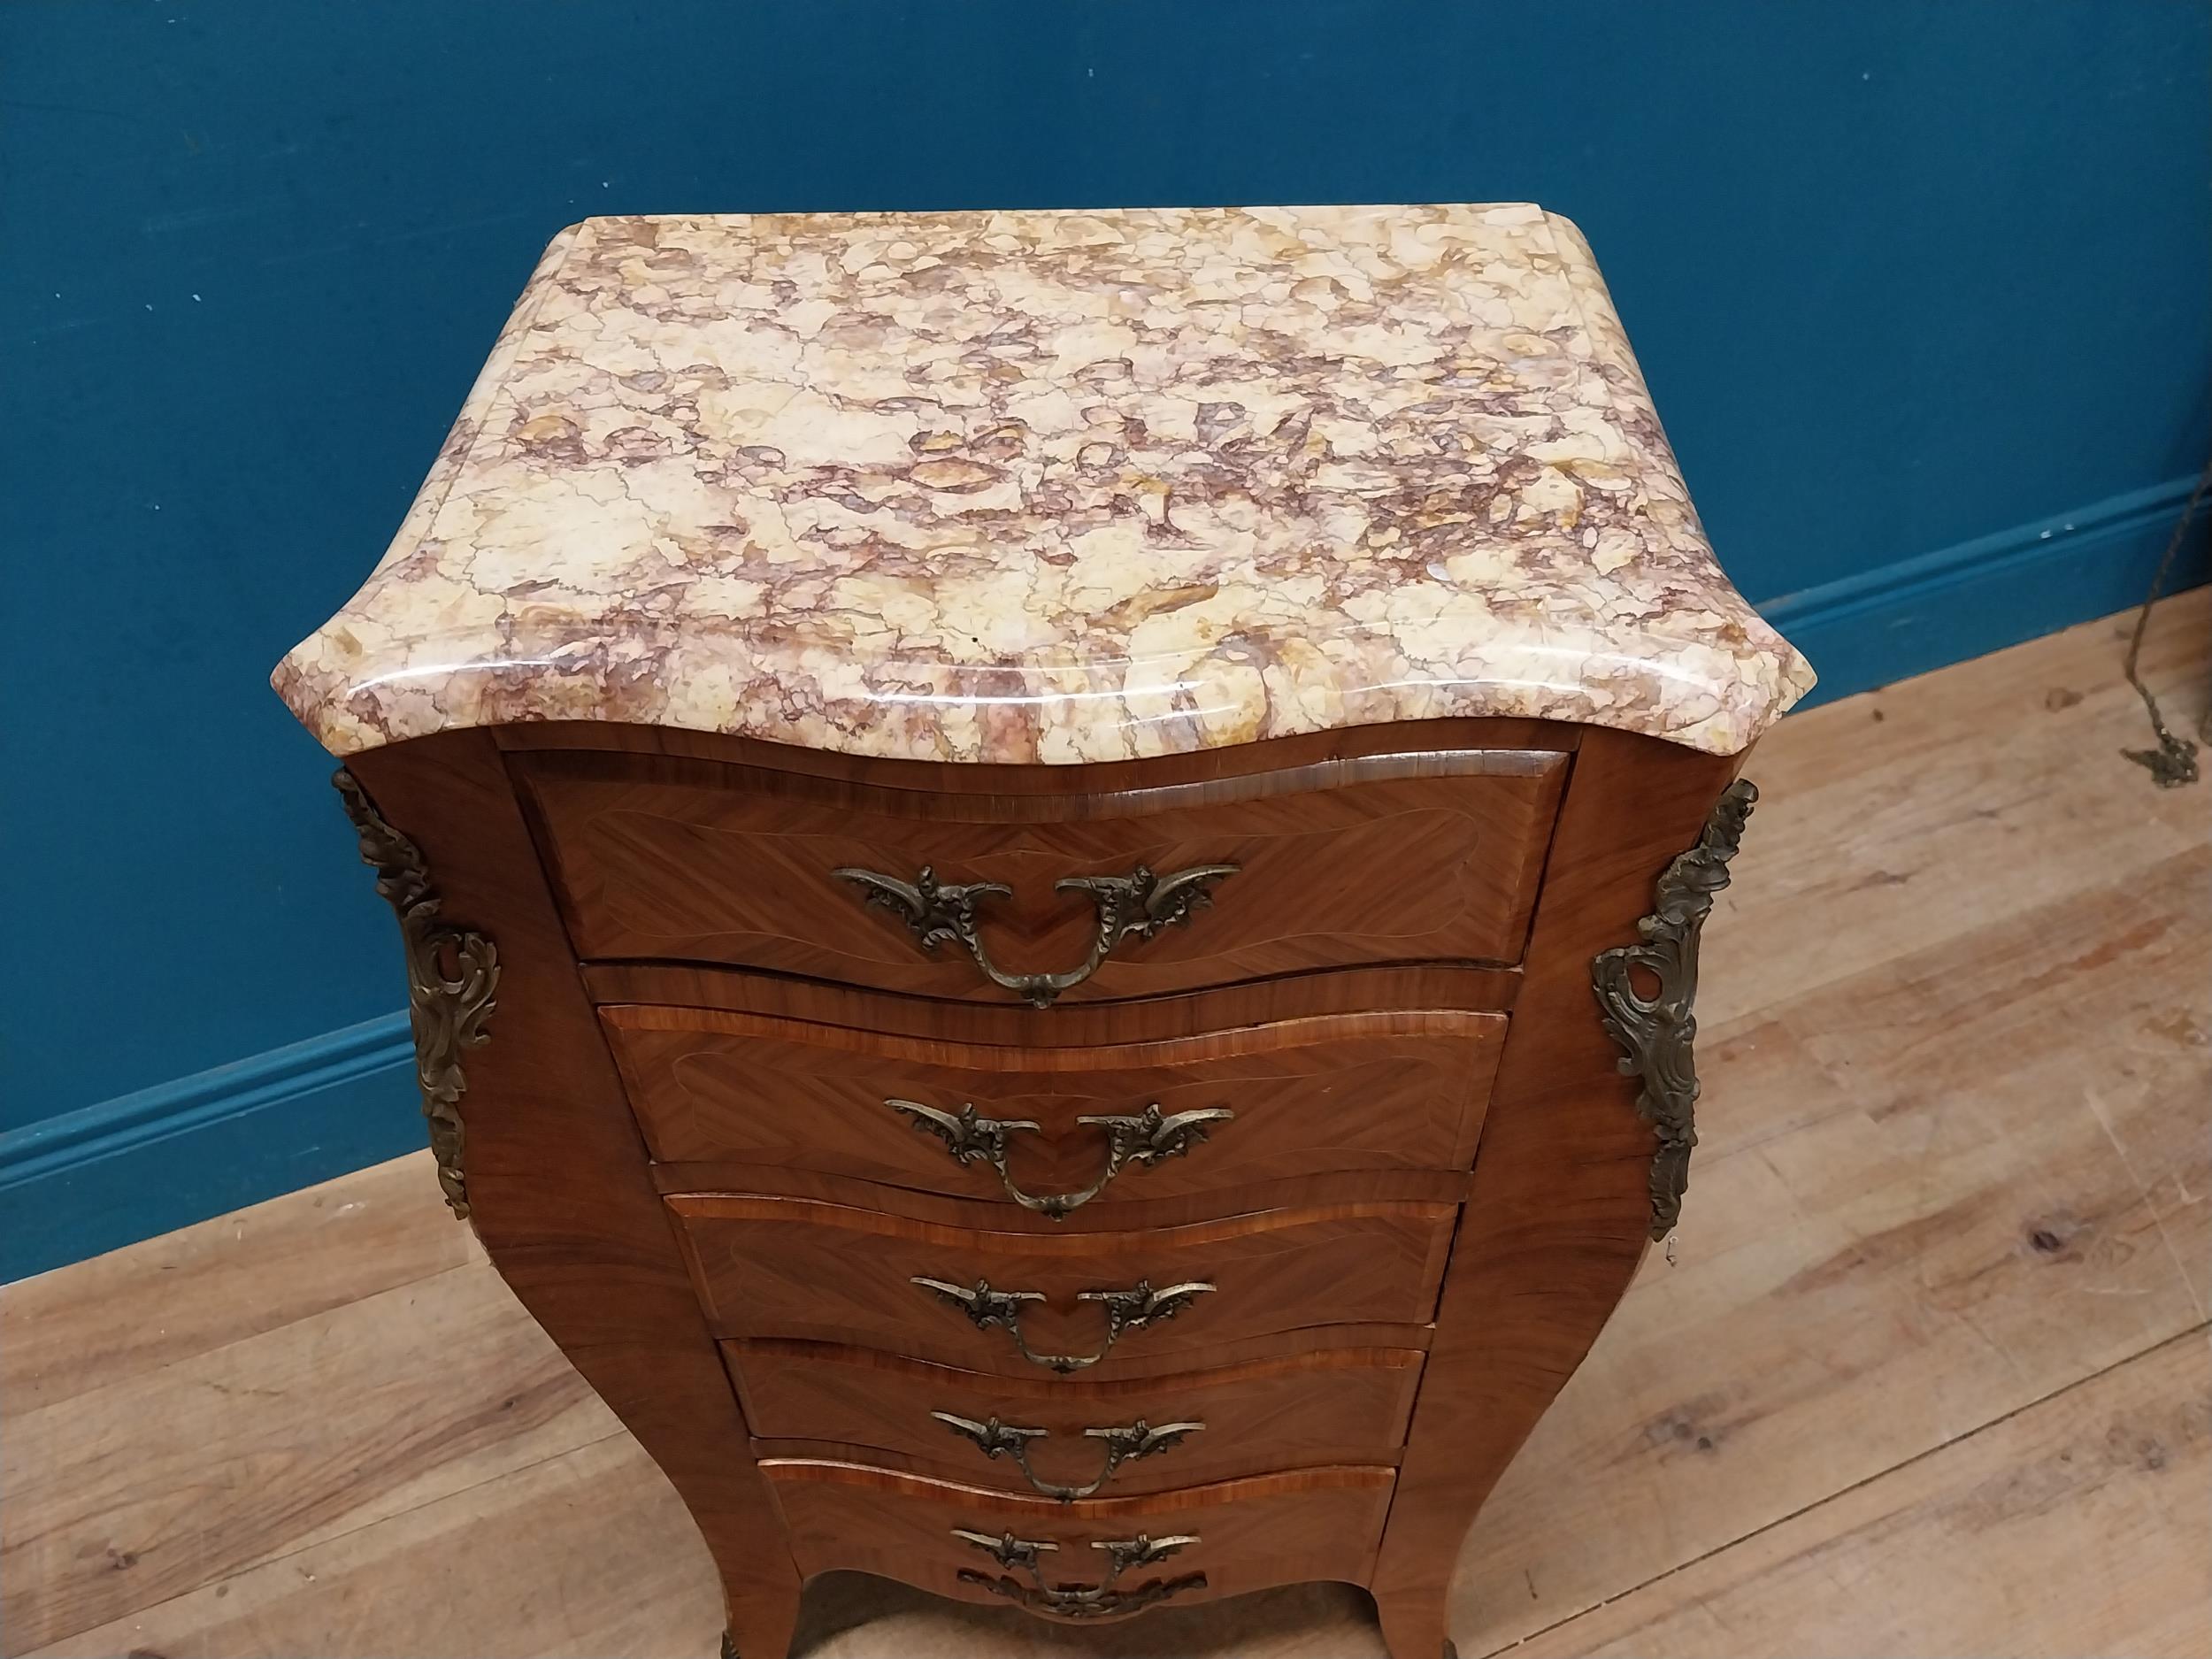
1157	654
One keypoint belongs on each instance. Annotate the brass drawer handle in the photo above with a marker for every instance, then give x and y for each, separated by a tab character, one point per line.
1102	1599
1137	905
1145	1137
1124	1445
1126	1310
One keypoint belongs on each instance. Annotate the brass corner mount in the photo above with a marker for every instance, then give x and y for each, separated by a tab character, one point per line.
452	973
1658	1034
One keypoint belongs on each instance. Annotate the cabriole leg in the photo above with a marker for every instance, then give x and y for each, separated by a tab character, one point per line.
760	1626
1413	1624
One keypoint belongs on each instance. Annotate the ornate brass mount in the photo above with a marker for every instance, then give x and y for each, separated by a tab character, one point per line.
1102	1599
1134	906
1145	1137
1126	1310
1124	1445
1658	1032
452	973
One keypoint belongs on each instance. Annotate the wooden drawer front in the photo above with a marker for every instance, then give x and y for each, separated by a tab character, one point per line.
1316	1524
1344	1406
801	1268
1389	858
1386	1091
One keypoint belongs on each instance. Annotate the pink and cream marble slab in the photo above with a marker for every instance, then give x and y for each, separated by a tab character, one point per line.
1053	486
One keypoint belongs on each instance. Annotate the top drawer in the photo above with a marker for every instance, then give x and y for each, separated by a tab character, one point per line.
1391	858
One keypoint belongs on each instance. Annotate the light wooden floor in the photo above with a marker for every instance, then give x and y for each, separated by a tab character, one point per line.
1931	1376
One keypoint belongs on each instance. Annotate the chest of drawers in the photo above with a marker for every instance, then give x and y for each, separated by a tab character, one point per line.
1050	868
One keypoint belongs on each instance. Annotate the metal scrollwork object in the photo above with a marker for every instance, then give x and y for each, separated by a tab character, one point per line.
1126	1310
1142	1138
1658	1034
1134	906
1124	1444
452	973
1104	1599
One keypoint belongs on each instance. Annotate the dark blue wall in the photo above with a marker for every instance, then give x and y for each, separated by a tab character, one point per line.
1902	275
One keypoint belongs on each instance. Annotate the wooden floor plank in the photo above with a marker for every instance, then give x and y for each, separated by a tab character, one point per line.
121	1497
2081	1525
588	1553
1892	821
94	1323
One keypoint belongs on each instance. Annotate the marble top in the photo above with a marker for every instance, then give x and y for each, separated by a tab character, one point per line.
1053	486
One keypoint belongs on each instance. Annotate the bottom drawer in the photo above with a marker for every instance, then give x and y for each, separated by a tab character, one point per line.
1094	1559
1069	1437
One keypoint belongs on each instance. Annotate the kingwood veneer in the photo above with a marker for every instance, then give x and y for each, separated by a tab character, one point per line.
1072	983
1303	1409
